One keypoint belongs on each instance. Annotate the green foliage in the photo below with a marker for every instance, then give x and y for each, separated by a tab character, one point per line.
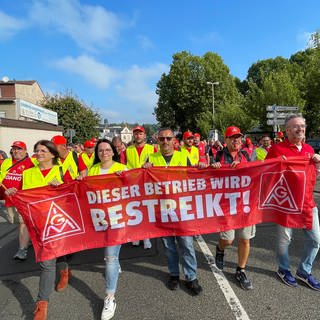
312	91
185	99
237	116
74	114
273	82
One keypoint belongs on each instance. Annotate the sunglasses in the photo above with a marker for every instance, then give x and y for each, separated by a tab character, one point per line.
165	138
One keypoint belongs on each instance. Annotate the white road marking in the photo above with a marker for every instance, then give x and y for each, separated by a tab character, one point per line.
225	287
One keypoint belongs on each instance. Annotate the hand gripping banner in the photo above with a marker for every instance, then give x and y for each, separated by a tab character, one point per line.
106	210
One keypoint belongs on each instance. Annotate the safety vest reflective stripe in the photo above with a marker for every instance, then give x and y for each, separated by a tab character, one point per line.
133	159
87	161
70	165
33	177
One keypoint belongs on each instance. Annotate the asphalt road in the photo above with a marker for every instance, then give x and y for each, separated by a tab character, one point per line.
142	293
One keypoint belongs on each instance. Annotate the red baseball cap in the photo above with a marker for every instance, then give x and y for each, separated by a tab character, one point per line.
248	141
57	140
138	128
89	144
19	144
280	134
187	135
232	131
94	140
197	135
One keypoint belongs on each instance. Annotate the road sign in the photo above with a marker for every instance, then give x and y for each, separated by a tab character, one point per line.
282	108
275	122
271	115
280	115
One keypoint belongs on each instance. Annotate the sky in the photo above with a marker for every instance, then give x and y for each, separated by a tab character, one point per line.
110	54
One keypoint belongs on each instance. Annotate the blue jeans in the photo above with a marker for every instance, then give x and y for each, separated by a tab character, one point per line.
187	255
311	246
111	256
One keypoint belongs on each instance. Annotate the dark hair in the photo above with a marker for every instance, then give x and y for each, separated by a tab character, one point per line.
115	156
51	147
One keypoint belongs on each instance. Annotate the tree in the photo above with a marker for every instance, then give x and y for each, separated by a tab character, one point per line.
314	41
311	91
185	98
74	114
273	82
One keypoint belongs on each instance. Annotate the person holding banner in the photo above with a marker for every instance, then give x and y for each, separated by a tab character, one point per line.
11	181
136	156
47	172
232	155
293	146
105	157
167	156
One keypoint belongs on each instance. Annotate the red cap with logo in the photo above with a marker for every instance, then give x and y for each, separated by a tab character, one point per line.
138	128
187	134
57	140
232	131
89	144
19	144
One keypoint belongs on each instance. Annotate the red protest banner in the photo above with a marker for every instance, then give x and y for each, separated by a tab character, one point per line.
109	209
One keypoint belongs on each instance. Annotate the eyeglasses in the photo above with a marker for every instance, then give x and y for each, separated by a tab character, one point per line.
165	138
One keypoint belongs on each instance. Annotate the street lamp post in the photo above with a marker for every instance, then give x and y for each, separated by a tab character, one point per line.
212	84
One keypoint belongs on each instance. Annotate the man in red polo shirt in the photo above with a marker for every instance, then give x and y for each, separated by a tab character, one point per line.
294	146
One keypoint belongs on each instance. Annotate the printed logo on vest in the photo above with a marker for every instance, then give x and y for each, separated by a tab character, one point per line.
277	192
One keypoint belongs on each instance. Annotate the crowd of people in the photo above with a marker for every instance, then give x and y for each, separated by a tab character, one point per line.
56	162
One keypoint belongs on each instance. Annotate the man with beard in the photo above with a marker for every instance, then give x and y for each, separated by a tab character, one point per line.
137	154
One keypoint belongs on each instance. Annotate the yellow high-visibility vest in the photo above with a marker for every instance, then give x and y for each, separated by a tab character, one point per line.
193	155
178	159
116	166
87	161
69	165
261	153
33	177
133	159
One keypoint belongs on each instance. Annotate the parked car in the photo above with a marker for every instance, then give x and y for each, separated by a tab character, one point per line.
315	144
